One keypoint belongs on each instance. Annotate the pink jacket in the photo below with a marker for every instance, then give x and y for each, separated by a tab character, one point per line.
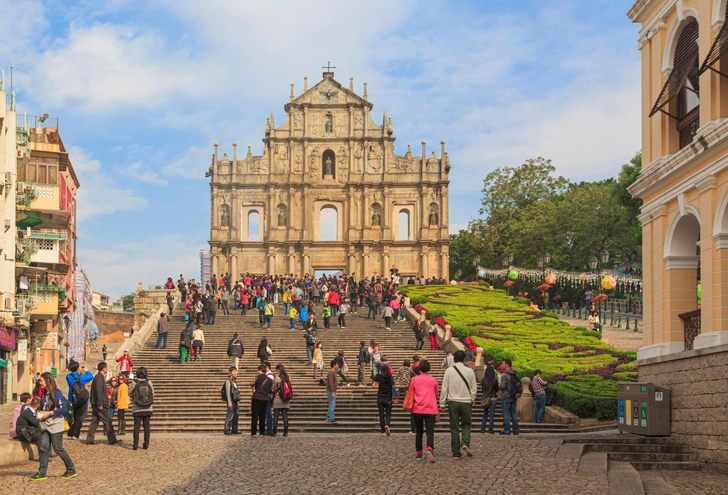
394	304
425	391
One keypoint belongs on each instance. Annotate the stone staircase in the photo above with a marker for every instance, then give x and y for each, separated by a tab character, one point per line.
187	397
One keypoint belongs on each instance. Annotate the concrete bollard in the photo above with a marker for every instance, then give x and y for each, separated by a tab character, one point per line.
524	405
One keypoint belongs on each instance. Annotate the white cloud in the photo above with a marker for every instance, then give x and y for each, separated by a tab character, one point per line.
193	164
139	172
98	195
117	270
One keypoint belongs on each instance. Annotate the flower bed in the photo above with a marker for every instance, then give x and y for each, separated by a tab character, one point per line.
581	369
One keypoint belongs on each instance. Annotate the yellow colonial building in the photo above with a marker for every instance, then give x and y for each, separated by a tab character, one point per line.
684	185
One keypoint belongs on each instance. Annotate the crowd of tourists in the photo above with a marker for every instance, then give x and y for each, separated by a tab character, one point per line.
44	415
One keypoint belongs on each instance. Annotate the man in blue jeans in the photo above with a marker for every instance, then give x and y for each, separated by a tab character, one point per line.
332	383
508	386
539	397
162	330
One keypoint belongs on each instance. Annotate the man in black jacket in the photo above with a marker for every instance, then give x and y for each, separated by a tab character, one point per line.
99	400
235	350
362	361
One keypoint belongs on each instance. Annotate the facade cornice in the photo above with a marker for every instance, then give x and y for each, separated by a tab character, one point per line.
708	142
638	8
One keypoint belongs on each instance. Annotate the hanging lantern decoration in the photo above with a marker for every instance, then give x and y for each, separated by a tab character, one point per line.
700	291
551	278
612	282
582	277
605	283
513	275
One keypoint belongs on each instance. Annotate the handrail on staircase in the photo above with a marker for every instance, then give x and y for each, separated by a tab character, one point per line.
135	342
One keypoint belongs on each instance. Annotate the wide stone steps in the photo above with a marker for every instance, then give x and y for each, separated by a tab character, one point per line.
187	396
643	453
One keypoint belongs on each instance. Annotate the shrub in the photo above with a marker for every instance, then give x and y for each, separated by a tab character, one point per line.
589	333
484	284
550	314
461	332
437	313
499	291
418	300
522	300
584	405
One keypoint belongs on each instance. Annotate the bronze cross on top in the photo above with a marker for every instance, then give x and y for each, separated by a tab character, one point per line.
328	67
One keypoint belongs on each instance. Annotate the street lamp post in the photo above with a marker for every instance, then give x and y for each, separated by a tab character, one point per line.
476	260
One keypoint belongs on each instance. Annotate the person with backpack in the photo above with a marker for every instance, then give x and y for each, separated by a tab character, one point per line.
310	337
185	342
26	424
512	389
264	350
99	400
419	335
385	383
235	350
434	342
231	396
283	393
489	385
459	389
79	404
25	399
326	314
261	388
51	412
141	393
122	402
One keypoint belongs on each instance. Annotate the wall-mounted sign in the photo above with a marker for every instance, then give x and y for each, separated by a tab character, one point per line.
22	350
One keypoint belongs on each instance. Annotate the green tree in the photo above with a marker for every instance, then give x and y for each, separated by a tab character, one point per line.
128	301
464	247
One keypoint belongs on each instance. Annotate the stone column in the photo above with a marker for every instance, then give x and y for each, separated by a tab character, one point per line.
365	269
524	405
213	266
352	264
291	263
271	264
423	265
444	266
385	263
234	266
306	264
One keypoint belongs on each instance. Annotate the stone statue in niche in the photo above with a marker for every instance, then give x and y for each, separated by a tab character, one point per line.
376	218
434	220
282	218
299	159
224	217
328	166
329	124
297	121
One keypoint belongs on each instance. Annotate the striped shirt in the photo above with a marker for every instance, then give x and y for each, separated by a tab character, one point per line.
539	386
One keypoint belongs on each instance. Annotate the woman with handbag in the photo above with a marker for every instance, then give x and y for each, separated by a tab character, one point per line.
52	413
421	400
489	384
384	398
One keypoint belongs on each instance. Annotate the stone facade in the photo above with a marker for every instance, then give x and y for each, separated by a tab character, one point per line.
112	325
329	154
699	412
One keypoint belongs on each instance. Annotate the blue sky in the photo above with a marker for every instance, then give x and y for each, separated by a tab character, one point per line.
143	88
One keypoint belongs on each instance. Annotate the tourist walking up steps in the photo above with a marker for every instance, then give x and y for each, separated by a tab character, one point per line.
459	389
489	384
79	404
232	397
423	388
185	342
52	412
332	385
261	387
141	393
162	331
198	340
385	382
235	350
343	309
387	315
264	351
512	389
99	400
283	393
362	360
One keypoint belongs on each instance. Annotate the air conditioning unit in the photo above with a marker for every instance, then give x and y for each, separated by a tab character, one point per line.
8	179
8	303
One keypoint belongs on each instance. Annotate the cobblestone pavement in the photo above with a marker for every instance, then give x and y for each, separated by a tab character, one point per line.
697	483
346	464
303	463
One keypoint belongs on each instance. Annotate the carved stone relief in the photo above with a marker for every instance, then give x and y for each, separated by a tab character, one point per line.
358	155
374	158
297	121
358	120
281	159
299	159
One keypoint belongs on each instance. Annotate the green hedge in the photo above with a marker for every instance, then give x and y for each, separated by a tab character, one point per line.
461	331
589	333
550	314
437	313
418	300
484	284
499	291
584	405
522	300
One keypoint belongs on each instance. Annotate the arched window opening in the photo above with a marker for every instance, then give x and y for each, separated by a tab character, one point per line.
328	164
253	226
329	224
404	225
680	96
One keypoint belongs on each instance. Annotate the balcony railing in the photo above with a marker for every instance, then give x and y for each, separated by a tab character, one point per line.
691	321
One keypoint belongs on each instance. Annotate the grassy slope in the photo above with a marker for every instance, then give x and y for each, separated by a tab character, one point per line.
581	369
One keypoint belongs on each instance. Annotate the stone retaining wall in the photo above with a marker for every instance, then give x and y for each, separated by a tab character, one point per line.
699	407
113	325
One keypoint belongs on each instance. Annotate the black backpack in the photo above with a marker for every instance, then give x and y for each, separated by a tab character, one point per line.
234	392
143	395
517	387
310	340
79	392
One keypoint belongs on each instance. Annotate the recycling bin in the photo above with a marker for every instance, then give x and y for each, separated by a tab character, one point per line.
643	409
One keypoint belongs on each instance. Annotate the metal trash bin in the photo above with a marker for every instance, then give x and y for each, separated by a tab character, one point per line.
643	409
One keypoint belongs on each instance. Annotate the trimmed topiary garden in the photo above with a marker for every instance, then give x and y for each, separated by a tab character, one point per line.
582	370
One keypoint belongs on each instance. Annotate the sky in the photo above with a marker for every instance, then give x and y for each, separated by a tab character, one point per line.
142	89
